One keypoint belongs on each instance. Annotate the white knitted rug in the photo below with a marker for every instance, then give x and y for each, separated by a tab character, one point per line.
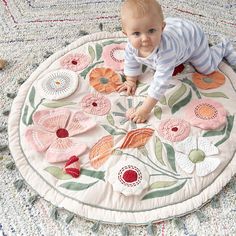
38	32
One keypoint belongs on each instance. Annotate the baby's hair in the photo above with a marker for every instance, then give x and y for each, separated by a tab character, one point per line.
140	8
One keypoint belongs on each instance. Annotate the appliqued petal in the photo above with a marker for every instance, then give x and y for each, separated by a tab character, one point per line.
207	166
187	145
79	123
39	139
184	162
51	120
63	148
207	147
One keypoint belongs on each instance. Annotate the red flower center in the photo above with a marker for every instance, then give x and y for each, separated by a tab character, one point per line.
62	133
94	104
74	62
174	129
130	176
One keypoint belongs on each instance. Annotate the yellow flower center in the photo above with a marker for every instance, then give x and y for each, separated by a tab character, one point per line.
205	111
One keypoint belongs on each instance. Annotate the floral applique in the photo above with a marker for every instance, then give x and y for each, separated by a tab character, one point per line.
104	80
128	177
96	104
197	152
72	167
205	114
137	138
55	133
174	129
113	56
101	151
75	61
211	81
58	84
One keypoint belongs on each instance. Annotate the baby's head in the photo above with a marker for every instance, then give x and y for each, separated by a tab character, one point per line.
140	8
143	24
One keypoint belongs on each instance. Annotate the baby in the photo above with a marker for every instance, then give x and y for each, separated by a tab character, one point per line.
162	45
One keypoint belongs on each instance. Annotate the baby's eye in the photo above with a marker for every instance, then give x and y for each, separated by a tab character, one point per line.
136	34
151	31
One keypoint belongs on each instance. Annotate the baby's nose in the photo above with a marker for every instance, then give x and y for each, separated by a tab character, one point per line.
144	37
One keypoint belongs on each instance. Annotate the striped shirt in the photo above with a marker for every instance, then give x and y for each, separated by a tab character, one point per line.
179	41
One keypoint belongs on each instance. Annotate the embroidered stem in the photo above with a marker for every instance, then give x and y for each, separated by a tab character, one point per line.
152	166
30	121
150	230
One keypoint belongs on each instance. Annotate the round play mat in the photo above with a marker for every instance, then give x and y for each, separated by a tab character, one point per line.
72	142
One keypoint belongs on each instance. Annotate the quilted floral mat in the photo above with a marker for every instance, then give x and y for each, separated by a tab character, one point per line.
72	142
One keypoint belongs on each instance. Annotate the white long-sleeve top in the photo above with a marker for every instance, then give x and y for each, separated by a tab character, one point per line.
179	41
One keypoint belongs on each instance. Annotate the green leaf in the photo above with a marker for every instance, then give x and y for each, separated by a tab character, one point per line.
162	184
75	186
112	131
144	90
182	103
189	82
112	42
110	119
32	96
87	70
25	114
163	100
58	104
143	150
91	52
215	94
158	112
170	155
30	121
94	174
177	95
214	132
230	120
158	151
98	48
164	192
57	173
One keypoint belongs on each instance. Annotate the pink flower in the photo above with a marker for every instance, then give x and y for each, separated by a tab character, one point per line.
96	104
174	130
55	133
205	114
75	61
113	56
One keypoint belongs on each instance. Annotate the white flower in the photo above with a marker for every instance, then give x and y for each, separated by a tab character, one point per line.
128	177
197	152
58	84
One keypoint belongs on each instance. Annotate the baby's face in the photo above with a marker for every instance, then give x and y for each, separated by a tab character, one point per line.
144	33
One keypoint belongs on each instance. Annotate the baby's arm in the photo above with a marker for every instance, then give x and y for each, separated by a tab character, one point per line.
141	114
129	85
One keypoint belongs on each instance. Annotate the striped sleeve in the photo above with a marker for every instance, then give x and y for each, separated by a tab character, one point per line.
165	66
131	66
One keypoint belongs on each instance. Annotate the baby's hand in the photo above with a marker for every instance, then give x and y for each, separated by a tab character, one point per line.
129	86
138	116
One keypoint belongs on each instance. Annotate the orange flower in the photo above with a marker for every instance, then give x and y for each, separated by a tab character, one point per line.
104	80
213	80
137	138
101	151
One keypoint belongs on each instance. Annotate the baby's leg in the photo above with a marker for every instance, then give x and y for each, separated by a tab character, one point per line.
206	59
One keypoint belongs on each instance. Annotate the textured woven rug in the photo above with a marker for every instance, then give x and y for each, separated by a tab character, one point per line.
30	32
